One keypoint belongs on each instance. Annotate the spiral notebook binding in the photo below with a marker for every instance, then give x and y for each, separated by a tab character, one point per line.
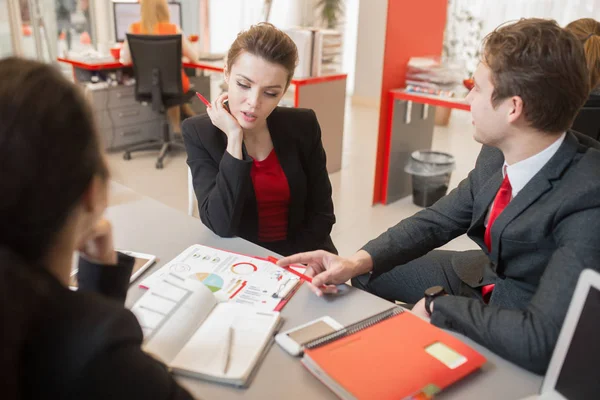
356	327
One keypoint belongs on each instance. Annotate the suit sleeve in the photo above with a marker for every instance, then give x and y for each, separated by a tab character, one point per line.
319	206
109	280
428	229
121	370
527	337
221	188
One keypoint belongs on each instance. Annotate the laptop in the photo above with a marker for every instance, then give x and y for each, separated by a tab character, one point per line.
573	373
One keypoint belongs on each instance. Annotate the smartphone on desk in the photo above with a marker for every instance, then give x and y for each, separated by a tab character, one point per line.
142	263
293	340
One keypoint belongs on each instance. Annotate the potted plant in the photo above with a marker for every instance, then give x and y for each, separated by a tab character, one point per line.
462	38
331	12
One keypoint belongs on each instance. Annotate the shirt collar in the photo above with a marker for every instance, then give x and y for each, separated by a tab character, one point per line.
519	174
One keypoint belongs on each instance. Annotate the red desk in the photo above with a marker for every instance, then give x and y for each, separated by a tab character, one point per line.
409	128
103	66
326	95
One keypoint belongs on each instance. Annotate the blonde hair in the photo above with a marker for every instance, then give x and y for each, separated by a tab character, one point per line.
153	13
587	31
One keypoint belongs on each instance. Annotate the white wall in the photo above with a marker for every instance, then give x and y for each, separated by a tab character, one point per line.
350	36
228	17
5	34
370	44
103	24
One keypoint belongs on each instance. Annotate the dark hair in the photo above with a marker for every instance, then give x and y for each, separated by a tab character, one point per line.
543	64
587	31
266	41
49	153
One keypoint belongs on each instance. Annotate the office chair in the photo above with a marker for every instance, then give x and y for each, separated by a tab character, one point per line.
191	194
588	122
157	69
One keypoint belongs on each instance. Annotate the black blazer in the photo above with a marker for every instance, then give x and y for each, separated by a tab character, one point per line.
59	344
587	120
223	186
541	242
593	101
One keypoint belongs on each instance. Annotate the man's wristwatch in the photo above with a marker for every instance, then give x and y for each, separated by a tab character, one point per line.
430	294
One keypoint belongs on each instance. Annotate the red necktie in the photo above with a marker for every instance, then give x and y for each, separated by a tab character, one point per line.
502	199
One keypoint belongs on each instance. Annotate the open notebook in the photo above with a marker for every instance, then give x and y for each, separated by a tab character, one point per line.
186	327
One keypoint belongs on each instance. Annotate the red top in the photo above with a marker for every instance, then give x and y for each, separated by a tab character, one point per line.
272	198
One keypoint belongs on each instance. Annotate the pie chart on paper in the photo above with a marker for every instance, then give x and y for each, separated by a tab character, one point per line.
243	268
212	281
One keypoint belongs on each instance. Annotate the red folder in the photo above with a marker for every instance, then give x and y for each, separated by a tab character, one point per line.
399	357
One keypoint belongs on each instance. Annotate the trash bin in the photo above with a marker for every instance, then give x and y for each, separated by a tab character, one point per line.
430	172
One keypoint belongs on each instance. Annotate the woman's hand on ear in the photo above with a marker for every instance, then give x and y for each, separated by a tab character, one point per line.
98	244
222	119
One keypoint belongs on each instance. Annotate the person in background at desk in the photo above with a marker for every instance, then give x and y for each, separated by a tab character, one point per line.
155	21
587	31
532	205
58	343
259	170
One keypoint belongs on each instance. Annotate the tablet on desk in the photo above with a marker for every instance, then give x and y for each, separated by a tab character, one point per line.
142	263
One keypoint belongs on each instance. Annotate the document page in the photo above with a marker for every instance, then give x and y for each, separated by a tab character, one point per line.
170	312
206	351
231	277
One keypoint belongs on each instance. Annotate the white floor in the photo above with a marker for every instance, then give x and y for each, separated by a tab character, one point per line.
358	220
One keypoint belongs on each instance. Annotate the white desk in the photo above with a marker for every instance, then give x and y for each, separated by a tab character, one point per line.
145	225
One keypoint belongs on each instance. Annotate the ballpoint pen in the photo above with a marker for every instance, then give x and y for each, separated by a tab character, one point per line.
228	349
293	271
203	99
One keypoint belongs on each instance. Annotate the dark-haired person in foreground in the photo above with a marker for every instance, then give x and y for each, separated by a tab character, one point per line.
532	205
56	343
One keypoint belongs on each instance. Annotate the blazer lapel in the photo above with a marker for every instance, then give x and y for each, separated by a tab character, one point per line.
283	150
286	155
537	186
251	199
484	199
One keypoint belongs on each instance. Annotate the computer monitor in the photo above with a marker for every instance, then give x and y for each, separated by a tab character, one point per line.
127	13
573	370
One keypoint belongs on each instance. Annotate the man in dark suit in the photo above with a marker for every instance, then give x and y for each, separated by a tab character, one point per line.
532	204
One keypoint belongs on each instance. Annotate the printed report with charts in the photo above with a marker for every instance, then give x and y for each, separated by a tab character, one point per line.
232	277
187	328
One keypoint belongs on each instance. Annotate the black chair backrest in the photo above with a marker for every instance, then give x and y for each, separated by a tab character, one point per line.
157	68
588	122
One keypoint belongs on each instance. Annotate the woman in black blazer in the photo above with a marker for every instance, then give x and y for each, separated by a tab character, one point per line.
259	170
57	343
587	31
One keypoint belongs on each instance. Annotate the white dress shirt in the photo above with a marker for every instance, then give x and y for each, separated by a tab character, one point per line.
520	173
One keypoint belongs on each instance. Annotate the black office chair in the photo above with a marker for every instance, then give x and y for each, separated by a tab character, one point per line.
588	122
157	69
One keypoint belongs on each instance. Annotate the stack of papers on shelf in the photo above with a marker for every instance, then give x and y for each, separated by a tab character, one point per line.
432	76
